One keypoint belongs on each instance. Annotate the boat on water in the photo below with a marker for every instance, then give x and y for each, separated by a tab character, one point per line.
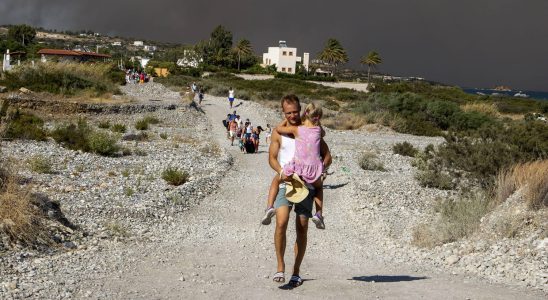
521	94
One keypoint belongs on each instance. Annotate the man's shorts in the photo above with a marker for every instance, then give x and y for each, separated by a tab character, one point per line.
303	208
230	99
232	133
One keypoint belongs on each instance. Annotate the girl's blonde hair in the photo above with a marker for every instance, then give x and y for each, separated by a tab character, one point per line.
313	113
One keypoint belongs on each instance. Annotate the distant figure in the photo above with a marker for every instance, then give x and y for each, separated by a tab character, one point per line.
200	96
194	87
268	131
230	96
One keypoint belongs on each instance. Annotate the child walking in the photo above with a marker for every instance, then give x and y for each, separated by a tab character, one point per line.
307	162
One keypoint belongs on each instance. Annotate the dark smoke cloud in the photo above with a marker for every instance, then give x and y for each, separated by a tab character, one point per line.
469	43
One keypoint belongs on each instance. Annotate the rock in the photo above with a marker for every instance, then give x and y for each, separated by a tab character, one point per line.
70	245
451	260
3	89
25	90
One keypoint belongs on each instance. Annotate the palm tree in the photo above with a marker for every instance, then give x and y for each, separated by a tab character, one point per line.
333	53
371	60
243	48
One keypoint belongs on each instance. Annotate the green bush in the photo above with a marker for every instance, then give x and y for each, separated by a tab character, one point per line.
405	149
141	124
73	136
119	128
175	177
304	77
25	126
471	120
151	120
104	124
163	136
62	78
40	164
103	143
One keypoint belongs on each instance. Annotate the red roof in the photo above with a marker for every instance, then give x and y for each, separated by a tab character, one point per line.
71	53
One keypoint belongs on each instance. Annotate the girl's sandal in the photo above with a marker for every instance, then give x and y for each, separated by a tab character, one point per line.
279	277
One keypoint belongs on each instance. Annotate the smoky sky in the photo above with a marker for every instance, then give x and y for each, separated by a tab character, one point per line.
471	43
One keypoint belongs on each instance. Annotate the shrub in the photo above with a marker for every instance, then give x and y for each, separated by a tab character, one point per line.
141	124
20	220
532	177
433	178
119	128
175	177
25	126
103	143
405	149
73	136
104	124
343	121
489	109
471	120
151	120
369	161
63	78
457	218
163	135
40	164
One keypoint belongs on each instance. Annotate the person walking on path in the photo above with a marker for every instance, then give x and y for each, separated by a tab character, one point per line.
233	126
230	97
200	95
281	151
307	163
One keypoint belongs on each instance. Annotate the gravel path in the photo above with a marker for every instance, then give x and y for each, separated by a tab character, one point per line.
204	240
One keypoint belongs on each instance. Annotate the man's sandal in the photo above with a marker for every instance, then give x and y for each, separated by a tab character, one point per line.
295	281
279	277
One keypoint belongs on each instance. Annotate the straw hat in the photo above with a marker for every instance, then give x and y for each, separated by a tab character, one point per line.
295	189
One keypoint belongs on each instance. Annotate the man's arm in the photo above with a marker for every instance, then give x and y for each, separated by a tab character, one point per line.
273	152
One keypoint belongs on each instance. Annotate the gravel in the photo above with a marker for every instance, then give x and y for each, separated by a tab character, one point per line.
140	237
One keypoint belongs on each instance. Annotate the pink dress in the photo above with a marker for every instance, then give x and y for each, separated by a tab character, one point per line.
307	162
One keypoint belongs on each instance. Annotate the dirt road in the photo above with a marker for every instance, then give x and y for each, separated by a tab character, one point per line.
220	250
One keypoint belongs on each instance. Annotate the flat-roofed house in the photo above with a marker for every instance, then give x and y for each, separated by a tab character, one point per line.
71	55
285	58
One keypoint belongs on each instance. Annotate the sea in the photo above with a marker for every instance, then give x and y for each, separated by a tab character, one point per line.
530	94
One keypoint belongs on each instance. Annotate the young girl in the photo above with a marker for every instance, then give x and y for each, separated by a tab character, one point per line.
268	133
307	162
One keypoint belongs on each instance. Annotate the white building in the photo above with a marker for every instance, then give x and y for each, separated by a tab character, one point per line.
285	58
149	48
116	43
138	43
190	59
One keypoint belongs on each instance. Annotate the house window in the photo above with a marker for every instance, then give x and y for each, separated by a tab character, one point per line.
290	53
283	69
284	53
289	70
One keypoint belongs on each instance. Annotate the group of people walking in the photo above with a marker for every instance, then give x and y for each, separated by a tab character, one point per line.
134	76
246	135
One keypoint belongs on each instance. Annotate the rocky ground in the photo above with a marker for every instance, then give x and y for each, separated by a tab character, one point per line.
139	237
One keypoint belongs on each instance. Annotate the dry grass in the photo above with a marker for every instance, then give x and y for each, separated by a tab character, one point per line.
486	108
456	219
532	177
20	220
344	121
